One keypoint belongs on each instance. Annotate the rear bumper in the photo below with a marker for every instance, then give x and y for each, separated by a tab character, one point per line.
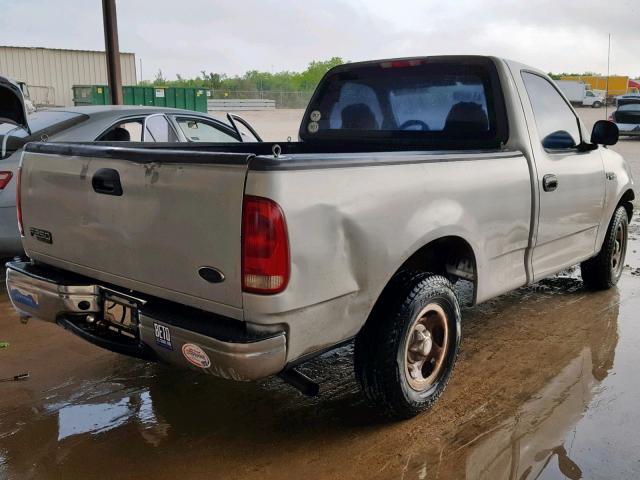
166	331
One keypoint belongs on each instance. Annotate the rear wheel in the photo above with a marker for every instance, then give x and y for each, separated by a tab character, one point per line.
604	270
405	354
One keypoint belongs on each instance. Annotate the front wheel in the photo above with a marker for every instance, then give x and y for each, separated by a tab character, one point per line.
604	270
597	104
405	354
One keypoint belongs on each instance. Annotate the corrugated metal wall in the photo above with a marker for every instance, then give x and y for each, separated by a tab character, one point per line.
50	73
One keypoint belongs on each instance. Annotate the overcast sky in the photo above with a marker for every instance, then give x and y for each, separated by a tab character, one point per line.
232	36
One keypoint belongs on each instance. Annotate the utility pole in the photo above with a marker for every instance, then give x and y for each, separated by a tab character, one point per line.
112	49
606	98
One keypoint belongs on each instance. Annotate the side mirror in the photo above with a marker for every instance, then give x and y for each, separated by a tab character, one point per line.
604	133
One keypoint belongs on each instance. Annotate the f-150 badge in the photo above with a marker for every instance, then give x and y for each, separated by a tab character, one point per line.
42	235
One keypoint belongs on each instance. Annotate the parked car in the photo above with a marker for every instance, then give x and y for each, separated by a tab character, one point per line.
624	97
627	116
98	123
579	94
245	260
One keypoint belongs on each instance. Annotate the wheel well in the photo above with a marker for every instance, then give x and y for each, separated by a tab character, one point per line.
451	257
627	202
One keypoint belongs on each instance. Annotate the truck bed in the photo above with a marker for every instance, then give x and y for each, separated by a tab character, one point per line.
180	210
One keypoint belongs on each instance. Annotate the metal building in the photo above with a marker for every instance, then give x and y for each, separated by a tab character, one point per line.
50	73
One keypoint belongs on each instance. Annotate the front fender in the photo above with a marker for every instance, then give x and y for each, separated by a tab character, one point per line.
619	180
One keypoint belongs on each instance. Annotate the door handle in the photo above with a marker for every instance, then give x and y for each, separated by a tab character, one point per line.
549	182
107	181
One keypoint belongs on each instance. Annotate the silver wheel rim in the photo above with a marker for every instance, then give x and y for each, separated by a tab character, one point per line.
619	249
426	347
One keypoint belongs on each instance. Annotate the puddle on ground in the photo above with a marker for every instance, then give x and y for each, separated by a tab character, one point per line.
546	387
95	418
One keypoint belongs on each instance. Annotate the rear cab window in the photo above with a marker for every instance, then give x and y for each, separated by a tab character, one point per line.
438	101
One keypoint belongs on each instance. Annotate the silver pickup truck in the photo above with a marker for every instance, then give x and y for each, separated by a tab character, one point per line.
245	260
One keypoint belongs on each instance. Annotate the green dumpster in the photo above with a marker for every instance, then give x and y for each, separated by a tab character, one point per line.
183	97
91	95
138	96
174	97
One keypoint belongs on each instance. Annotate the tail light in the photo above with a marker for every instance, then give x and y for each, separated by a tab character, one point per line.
612	118
19	200
265	246
5	178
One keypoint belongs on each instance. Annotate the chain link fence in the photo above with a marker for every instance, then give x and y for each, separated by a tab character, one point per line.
298	99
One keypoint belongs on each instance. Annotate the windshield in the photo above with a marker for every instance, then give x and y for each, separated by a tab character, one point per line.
404	99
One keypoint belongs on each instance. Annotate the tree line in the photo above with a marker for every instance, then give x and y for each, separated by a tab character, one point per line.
253	80
558	76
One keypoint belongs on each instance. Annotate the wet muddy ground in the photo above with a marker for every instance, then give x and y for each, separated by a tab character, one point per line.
547	386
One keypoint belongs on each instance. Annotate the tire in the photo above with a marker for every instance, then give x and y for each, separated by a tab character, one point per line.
415	326
603	271
597	104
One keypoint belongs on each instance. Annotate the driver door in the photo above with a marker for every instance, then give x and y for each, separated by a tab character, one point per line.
571	181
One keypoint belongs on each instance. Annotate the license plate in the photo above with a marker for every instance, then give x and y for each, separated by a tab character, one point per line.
120	314
163	336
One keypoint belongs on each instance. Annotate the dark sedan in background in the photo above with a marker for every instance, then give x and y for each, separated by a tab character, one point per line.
627	116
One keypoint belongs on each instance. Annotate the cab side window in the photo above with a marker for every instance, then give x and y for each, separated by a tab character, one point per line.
158	129
556	123
126	131
198	130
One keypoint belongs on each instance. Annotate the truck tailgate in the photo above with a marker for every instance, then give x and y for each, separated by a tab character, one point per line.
179	211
